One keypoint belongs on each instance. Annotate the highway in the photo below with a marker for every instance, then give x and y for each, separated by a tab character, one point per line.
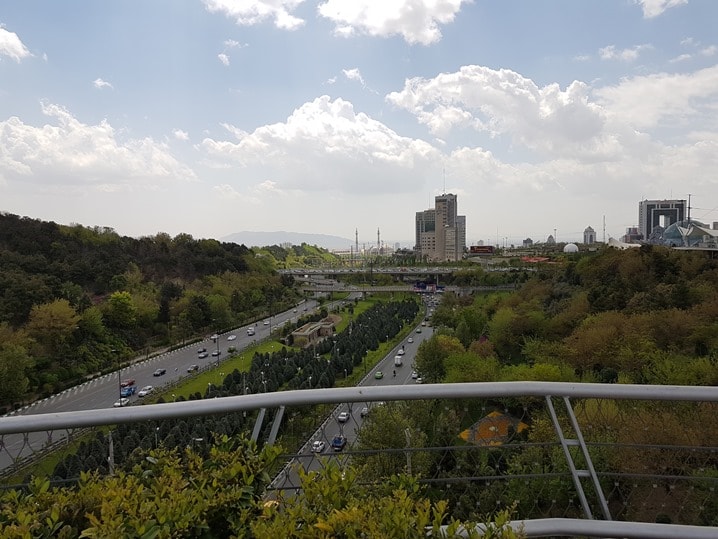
103	391
288	478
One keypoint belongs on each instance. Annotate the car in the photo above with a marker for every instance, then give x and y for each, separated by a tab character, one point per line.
215	353
159	372
294	311
414	375
214	337
202	351
145	391
378	375
127	382
202	355
128	391
124	401
265	323
318	446
364	411
400	352
410	340
420	380
193	368
418	330
343	417
231	337
339	442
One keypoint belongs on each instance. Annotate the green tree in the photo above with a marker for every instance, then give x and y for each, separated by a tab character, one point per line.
120	312
51	325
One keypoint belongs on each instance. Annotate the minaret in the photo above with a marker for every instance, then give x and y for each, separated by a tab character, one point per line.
378	240
356	239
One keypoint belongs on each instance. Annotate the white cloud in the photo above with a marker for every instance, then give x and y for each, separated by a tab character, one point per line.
416	21
502	102
680	58
354	74
251	12
99	83
663	98
326	146
11	46
66	151
223	58
654	8
625	55
709	51
180	135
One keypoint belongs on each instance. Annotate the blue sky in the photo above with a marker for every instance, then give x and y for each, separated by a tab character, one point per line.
211	117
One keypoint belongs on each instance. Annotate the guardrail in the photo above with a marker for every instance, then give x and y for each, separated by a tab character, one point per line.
582	433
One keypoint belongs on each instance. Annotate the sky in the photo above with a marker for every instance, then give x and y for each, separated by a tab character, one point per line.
211	117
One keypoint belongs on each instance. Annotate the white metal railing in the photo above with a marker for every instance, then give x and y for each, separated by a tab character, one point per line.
23	424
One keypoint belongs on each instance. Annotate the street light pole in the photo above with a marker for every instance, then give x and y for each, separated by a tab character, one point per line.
119	373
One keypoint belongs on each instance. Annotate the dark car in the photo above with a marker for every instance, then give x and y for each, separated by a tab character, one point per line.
215	353
159	372
339	442
193	368
202	351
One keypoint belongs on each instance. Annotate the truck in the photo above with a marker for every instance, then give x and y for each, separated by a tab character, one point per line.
398	361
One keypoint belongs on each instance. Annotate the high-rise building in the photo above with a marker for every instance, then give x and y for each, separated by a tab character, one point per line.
663	213
440	232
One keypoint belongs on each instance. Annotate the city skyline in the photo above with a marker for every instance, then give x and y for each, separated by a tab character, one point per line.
213	117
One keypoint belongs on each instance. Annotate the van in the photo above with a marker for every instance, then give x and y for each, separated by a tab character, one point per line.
398	361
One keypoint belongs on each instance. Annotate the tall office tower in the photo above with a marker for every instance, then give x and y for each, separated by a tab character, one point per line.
663	213
441	233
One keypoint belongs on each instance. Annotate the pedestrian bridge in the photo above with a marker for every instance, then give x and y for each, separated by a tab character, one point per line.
605	460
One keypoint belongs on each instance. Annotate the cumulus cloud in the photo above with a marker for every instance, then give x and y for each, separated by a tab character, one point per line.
502	102
663	98
11	46
354	74
255	12
654	8
624	55
180	135
99	83
416	21
325	145
223	58
66	151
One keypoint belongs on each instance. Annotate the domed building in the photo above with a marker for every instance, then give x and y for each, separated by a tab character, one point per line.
570	248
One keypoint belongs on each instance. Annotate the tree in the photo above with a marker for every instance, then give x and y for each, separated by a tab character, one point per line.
14	363
120	311
51	325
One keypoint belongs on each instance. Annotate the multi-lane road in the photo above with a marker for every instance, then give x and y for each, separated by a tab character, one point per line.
288	478
103	391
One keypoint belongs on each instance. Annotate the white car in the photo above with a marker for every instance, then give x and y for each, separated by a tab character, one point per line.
231	337
124	401
145	391
265	323
420	380
414	375
343	417
318	446
400	352
410	340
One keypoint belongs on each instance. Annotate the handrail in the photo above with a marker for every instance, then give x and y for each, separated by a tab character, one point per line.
223	405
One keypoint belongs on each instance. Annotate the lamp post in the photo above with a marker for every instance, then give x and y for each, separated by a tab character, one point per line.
119	372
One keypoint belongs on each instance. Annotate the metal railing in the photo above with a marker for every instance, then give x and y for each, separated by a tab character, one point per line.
637	446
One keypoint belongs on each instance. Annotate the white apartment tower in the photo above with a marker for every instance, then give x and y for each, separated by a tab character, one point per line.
440	232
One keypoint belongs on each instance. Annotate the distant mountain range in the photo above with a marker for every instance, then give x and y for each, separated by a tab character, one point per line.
264	239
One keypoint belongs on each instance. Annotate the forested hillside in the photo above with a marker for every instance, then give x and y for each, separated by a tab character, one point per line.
645	315
76	300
